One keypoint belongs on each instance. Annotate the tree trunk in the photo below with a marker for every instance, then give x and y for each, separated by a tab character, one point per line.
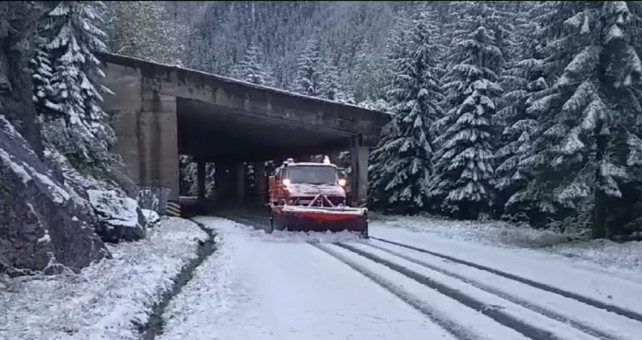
600	229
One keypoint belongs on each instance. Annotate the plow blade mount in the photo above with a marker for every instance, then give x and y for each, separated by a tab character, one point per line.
301	218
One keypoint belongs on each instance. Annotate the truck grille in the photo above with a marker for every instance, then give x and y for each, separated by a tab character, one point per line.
336	200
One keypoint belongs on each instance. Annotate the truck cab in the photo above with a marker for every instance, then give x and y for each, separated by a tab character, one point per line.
300	183
312	197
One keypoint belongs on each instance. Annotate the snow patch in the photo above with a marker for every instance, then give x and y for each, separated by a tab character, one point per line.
151	217
26	173
45	237
18	169
101	301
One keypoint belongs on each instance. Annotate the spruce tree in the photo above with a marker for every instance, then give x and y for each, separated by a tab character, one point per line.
369	76
41	76
76	124
521	78
143	29
397	46
252	67
329	85
308	76
586	156
403	158
463	181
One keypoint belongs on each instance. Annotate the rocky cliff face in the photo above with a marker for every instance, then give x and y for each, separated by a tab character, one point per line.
45	224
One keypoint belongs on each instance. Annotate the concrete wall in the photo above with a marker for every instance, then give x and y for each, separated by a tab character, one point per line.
145	122
359	159
124	108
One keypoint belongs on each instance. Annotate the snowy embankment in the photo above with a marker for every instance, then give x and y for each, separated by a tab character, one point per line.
107	299
587	272
607	254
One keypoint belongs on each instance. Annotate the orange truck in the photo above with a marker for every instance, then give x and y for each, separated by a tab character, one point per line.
311	197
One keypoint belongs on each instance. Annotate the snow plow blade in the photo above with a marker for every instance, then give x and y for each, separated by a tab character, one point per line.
335	219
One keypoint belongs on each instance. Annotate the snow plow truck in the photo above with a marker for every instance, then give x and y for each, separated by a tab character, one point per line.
311	196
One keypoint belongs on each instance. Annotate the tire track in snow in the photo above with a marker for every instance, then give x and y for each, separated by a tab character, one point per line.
500	316
586	328
581	298
449	325
256	224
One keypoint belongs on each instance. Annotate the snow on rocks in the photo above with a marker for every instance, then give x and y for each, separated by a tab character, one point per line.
151	217
40	205
102	300
119	216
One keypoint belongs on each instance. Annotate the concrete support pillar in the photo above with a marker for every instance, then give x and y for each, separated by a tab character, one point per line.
260	181
239	170
145	123
359	159
158	142
200	178
222	183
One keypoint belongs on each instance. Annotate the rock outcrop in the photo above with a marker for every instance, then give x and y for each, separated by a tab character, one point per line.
44	224
119	217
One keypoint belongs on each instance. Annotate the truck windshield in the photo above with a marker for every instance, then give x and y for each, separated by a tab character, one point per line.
312	174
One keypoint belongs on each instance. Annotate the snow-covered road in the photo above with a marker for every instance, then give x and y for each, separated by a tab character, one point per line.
400	284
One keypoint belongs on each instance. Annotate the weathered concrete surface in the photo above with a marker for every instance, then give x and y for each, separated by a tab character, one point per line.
145	122
359	159
272	106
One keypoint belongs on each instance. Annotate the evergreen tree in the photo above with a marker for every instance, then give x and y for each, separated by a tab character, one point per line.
463	179
329	85
370	75
41	75
586	156
402	161
76	124
397	47
308	77
521	78
143	29
252	68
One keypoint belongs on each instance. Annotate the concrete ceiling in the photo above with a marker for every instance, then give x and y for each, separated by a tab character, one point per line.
215	133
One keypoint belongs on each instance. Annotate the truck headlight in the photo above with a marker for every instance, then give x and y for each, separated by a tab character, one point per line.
342	182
